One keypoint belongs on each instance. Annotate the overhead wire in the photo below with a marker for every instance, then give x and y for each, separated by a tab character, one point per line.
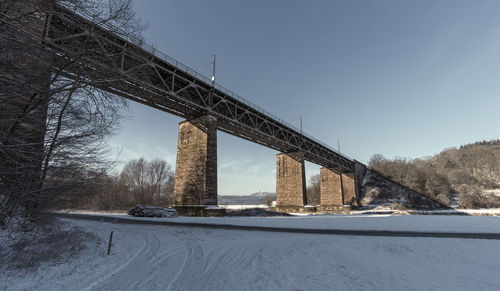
203	65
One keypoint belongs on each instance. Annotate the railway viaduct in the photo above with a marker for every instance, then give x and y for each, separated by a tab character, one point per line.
142	74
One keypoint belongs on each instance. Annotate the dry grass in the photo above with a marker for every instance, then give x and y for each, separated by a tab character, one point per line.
26	247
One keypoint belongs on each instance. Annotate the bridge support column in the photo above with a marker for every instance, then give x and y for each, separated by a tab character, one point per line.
332	198
195	190
290	182
349	189
24	95
359	176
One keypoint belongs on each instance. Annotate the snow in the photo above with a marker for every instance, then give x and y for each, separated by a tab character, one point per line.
455	211
213	207
238	207
423	223
472	211
156	257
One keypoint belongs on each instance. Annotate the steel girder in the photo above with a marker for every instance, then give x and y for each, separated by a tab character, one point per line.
117	65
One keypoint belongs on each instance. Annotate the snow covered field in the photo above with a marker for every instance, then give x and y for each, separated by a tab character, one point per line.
239	207
155	257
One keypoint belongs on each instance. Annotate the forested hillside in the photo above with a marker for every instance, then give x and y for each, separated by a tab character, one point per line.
470	175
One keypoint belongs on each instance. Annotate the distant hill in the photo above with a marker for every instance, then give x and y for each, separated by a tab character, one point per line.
262	194
252	199
468	176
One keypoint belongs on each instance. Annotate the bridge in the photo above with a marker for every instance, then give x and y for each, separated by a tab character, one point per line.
124	65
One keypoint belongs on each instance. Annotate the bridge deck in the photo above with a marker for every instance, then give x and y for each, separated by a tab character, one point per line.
124	65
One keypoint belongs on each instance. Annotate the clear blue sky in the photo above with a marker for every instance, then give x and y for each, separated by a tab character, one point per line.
400	78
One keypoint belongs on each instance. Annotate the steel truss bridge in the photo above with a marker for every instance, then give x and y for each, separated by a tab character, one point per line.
127	67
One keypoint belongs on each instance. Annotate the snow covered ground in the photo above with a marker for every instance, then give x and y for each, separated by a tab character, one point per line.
483	211
239	207
456	211
156	257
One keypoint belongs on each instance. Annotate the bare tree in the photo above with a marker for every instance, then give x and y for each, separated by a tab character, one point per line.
134	176
268	200
141	181
23	98
161	178
52	125
314	191
150	182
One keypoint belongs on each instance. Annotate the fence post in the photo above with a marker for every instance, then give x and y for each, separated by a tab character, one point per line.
110	242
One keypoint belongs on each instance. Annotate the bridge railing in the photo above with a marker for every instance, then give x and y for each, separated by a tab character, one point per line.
140	43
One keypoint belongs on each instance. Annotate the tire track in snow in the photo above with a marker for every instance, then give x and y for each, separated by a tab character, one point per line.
135	269
192	266
141	272
198	268
127	263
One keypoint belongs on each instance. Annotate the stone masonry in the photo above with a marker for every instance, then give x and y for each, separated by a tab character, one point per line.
290	180
24	95
330	188
349	189
196	166
359	175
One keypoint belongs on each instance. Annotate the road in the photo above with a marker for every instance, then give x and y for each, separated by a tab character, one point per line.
383	233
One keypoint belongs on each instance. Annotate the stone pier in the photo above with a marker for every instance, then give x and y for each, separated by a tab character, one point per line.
290	182
359	175
349	189
24	96
332	198
195	190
